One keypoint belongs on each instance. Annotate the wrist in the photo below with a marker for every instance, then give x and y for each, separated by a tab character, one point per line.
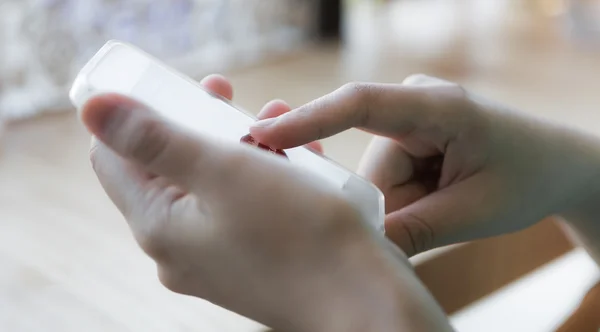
582	206
579	175
355	281
582	215
379	292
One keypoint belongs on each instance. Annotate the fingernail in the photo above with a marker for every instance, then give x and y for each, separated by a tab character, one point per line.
264	123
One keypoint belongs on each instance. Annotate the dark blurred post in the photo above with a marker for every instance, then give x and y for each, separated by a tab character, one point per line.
329	20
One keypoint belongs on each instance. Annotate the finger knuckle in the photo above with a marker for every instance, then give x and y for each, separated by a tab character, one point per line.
358	90
449	102
419	231
461	111
453	100
456	93
362	96
417	79
148	141
172	280
426	80
154	244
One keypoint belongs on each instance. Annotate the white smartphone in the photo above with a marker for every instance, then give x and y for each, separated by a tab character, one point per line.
122	68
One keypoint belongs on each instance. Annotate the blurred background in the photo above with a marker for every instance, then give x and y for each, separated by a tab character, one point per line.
67	260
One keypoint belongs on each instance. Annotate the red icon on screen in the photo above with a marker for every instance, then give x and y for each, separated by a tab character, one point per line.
248	139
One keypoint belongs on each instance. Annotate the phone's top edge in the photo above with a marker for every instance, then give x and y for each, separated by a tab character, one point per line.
78	94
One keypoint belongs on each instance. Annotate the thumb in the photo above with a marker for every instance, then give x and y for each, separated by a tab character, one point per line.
140	135
458	213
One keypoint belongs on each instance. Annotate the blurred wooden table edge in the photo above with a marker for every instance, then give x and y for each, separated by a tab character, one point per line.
463	274
586	318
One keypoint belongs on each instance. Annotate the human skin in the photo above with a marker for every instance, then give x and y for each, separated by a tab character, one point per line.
452	165
246	230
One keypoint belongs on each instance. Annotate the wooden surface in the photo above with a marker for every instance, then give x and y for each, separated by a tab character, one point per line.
540	301
68	260
586	318
465	274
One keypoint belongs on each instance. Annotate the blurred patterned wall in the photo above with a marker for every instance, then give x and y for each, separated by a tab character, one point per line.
43	43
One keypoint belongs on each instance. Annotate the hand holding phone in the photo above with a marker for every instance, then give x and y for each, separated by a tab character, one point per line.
121	68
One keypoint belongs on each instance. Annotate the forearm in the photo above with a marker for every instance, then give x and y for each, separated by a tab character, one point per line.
411	317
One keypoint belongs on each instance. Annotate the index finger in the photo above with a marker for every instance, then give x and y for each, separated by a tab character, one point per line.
391	110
